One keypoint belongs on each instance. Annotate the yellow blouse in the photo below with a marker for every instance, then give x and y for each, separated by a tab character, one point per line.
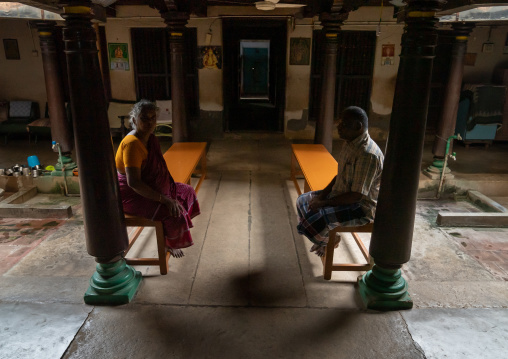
130	153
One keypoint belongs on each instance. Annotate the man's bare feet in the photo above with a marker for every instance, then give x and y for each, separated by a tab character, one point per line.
321	250
314	247
177	253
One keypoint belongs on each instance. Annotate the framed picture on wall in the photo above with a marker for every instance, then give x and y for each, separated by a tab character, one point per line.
209	57
299	51
387	54
118	57
11	49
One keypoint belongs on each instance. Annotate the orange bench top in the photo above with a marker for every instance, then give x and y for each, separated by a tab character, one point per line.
182	158
317	164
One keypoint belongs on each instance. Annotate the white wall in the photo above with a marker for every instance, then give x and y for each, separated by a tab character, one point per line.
123	83
383	84
485	64
118	30
22	79
298	80
210	80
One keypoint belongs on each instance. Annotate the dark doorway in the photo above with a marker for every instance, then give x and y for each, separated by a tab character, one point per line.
254	74
355	66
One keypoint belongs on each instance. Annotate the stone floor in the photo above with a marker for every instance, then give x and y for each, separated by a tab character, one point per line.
19	236
249	287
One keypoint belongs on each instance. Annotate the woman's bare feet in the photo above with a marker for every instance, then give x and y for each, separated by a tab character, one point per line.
177	253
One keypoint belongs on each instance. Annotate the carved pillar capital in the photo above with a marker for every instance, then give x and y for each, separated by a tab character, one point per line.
44	27
175	22
46	30
333	20
461	30
420	36
78	31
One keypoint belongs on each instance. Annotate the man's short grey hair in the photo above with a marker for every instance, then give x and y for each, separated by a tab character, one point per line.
138	109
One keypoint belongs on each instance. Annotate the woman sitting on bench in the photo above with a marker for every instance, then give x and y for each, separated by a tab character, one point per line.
351	197
146	186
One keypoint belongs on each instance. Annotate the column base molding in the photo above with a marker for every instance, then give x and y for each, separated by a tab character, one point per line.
384	289
436	168
64	163
113	284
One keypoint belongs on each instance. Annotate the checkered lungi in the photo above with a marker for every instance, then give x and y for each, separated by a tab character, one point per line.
316	225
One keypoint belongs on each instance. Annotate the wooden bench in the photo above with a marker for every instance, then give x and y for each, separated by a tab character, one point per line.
182	160
318	167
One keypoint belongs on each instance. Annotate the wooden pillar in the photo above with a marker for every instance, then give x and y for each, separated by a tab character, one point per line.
106	236
98	42
331	22
60	129
448	119
383	287
175	22
114	282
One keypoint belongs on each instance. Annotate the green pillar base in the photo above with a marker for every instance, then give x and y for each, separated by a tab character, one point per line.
113	284
64	162
436	168
384	289
438	163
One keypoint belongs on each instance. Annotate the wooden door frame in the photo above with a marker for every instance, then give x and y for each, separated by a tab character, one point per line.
230	63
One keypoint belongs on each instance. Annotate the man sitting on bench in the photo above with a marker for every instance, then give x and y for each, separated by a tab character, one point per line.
351	197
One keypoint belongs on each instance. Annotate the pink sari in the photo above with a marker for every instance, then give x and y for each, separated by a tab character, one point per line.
155	174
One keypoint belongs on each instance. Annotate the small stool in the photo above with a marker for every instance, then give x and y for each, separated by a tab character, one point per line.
329	266
140	223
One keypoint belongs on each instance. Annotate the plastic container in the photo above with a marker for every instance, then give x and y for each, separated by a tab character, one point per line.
33	161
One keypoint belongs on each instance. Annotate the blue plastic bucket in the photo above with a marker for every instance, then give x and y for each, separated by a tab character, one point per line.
33	161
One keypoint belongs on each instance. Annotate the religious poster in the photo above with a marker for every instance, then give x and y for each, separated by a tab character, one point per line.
118	57
299	51
387	55
209	57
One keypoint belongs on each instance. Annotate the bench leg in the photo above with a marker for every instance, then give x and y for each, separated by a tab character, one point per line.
328	257
202	172
161	249
294	173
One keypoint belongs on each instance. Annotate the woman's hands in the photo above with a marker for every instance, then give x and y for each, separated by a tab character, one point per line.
136	183
175	208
